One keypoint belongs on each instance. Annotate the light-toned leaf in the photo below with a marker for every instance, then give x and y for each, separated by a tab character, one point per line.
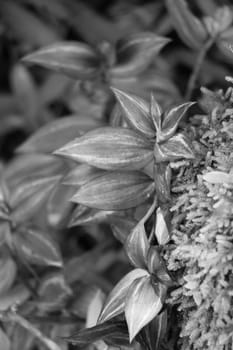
115	191
161	229
38	248
8	271
77	60
81	174
4	341
156	114
95	308
136	52
157	267
109	148
141	306
57	133
84	215
177	147
171	120
136	112
115	302
191	31
121	227
218	177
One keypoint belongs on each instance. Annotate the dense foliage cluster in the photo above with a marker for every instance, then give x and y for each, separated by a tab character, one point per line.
116	175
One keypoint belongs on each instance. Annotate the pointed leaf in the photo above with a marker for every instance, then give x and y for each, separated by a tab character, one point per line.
142	305
81	174
137	244
77	60
156	113
110	148
84	215
161	229
135	53
136	112
115	191
115	302
8	271
171	120
162	178
94	308
4	340
191	31
157	267
57	133
177	147
16	295
38	248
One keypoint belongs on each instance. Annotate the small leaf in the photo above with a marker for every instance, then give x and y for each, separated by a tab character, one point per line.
8	271
57	133
121	226
84	215
218	177
38	248
157	267
137	244
94	308
17	295
77	60
162	178
136	112
135	53
142	305
161	229
115	302
171	120
81	174
109	148
191	31
115	191
4	341
177	147
156	113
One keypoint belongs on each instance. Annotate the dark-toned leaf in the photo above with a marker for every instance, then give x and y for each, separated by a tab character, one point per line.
115	191
30	195
177	147
136	112
171	120
115	302
137	244
162	179
38	248
16	295
113	332
191	31
135	53
142	305
53	291
4	340
57	133
7	272
81	174
109	148
77	60
153	334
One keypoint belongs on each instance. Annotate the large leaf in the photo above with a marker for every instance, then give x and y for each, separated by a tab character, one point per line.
38	248
57	133
81	174
115	302
74	59
136	112
115	191
142	305
84	215
135	53
189	28
109	148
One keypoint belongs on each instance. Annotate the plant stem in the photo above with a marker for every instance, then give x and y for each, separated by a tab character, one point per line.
12	316
200	58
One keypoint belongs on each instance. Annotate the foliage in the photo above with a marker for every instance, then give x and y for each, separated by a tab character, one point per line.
116	175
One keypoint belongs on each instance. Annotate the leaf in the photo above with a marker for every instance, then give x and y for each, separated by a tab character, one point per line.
142	305
109	148
162	180
171	120
113	332
30	195
95	308
191	31
38	248
135	53
8	271
121	226
4	341
75	59
218	177
115	191
115	302
137	244
156	113
81	174
161	230
157	267
177	147
136	112
57	133
84	215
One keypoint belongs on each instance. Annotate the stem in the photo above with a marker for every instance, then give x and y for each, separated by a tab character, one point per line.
11	316
200	58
